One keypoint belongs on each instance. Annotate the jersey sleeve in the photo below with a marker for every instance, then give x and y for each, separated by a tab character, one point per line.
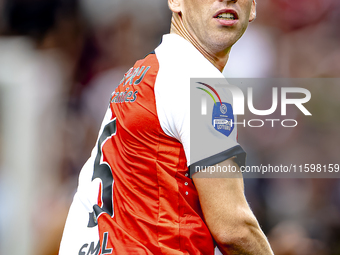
213	125
209	138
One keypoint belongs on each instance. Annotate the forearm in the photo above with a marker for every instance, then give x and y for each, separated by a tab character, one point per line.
228	215
249	239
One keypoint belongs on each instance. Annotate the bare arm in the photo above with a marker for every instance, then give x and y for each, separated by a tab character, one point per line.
227	213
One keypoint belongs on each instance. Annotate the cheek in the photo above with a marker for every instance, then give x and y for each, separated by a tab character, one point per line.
193	20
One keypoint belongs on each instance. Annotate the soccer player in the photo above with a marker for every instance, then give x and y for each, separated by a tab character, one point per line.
136	191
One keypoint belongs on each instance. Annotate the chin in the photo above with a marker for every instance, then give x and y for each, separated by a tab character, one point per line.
224	42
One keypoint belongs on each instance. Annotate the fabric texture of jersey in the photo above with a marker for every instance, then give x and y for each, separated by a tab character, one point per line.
147	203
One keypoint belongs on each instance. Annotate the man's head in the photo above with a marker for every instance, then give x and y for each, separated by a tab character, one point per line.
215	24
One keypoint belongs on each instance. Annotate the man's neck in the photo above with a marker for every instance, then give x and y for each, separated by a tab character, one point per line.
218	60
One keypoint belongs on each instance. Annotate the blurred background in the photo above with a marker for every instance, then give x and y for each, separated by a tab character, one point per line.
60	60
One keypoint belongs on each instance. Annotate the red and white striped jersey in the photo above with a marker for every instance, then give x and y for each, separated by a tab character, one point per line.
137	181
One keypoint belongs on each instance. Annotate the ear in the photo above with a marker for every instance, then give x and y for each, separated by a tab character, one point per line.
175	5
252	11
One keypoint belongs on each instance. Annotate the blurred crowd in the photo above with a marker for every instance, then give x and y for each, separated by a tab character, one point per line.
66	57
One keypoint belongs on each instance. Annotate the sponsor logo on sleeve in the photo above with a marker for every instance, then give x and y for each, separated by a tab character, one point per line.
222	116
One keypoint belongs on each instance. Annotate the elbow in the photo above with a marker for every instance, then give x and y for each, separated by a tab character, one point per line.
231	239
236	237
